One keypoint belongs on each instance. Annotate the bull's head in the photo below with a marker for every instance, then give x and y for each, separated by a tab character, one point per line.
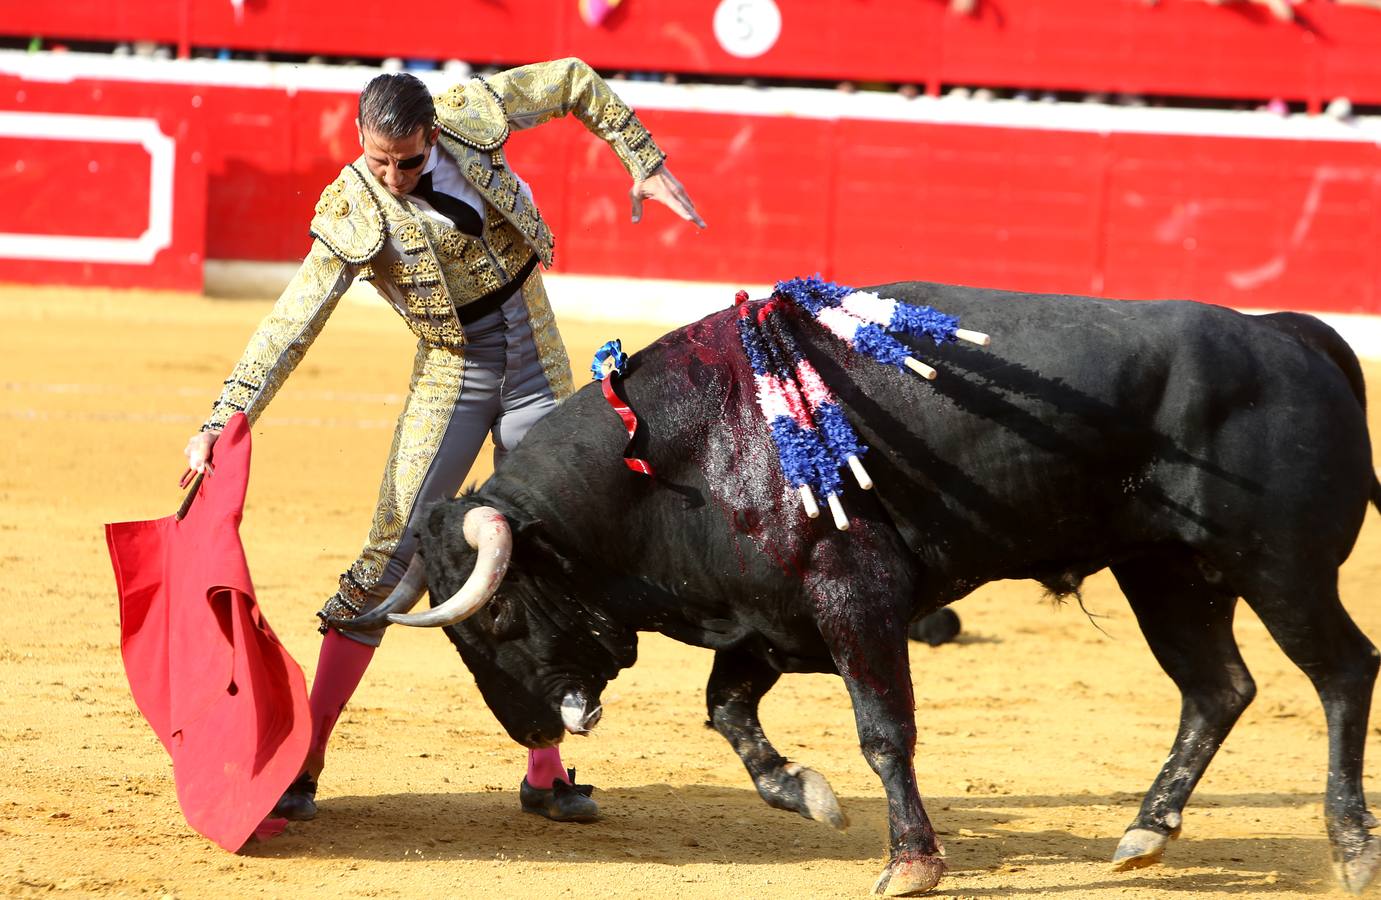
541	649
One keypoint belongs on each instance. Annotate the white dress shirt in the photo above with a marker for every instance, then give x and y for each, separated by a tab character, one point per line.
447	179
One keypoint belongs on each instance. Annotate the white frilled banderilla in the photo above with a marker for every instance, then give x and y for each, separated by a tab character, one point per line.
814	440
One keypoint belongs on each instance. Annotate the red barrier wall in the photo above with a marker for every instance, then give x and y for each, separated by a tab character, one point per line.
1246	221
1101	206
1177	47
104	183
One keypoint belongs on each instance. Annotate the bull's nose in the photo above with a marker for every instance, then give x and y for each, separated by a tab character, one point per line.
533	739
573	714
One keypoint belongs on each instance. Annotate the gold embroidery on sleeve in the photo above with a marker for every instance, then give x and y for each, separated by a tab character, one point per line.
282	338
540	92
615	116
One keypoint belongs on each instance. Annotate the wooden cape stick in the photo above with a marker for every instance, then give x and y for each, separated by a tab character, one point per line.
191	495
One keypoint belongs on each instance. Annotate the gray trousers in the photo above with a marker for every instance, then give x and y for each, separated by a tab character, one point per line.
497	386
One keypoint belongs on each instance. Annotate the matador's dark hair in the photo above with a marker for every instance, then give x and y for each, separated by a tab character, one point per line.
396	104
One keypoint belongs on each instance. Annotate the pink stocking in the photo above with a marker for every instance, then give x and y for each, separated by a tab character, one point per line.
339	669
544	766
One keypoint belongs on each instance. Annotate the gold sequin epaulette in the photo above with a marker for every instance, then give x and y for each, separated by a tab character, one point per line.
474	115
349	219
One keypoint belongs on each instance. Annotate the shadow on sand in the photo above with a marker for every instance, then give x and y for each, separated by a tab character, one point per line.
659	824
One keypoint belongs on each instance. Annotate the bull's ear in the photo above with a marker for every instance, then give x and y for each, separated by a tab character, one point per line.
433	520
519	521
523	525
529	534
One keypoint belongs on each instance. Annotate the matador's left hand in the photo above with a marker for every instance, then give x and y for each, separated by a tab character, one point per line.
663	187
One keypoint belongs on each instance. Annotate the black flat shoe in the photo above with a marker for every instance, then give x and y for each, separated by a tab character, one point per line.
563	802
298	802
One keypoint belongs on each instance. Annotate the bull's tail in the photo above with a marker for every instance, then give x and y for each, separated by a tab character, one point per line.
1324	339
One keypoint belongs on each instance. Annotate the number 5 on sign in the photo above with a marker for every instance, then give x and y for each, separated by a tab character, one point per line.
746	28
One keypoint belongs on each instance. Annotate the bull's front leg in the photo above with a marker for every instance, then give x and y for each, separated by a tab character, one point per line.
887	735
868	641
737	683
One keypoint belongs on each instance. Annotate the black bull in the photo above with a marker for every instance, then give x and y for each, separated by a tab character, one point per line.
1201	454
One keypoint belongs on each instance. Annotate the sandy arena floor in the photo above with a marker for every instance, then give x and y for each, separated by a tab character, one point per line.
1038	731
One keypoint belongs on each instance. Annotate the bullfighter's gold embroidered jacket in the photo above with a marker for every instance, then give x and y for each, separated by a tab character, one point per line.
422	268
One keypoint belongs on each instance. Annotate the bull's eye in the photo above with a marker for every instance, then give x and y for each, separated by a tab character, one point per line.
507	622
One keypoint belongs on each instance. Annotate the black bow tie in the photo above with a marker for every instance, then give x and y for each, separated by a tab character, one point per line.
458	211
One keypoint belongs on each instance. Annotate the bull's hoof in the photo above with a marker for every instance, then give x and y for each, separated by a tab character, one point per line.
1356	870
818	797
1139	847
940	627
909	875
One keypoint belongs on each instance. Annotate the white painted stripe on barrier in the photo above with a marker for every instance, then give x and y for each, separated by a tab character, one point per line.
806	103
647	301
1096	118
99	129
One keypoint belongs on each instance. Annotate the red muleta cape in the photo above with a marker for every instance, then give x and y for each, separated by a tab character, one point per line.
205	669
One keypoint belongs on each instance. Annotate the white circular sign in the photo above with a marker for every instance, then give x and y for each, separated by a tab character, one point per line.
747	28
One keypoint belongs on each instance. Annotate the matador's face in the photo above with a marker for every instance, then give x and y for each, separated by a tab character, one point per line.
397	163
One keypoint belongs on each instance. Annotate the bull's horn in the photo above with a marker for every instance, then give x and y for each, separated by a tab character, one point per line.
486	530
403	598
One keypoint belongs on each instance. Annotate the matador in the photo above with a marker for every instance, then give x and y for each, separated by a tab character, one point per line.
432	215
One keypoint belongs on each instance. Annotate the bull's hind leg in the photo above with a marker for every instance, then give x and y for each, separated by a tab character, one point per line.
1309	623
1188	625
737	683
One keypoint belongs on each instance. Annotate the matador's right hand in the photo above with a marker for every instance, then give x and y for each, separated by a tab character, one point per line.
663	187
199	455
